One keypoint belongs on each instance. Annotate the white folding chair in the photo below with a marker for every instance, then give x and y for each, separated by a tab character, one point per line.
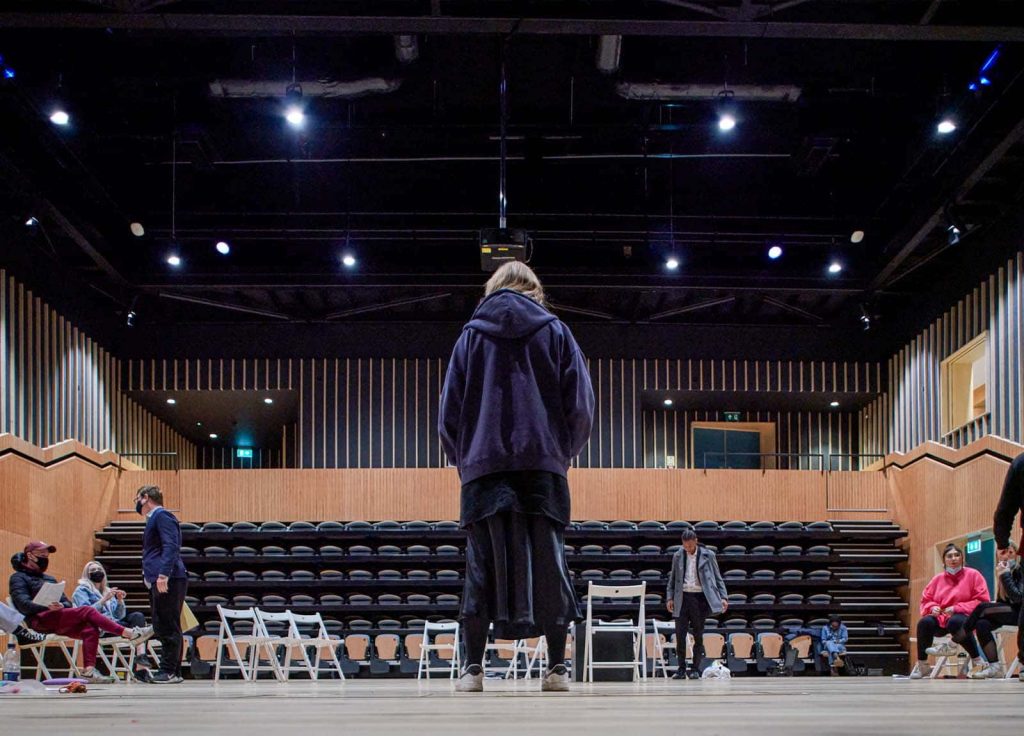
118	656
320	640
1012	666
621	592
38	652
944	661
253	642
664	631
443	639
271	643
533	650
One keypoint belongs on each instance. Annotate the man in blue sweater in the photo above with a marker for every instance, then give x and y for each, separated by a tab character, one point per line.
165	576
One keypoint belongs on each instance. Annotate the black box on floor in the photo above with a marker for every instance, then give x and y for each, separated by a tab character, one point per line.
610	647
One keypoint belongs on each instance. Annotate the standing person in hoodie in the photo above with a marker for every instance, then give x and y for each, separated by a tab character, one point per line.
516	407
946	603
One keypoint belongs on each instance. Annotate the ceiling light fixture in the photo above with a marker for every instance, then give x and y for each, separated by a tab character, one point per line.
31	222
213	435
775	252
223	248
834	404
672	263
174	259
946	126
726	109
60	117
835	267
172	401
668	402
268	400
856	236
137	230
349	260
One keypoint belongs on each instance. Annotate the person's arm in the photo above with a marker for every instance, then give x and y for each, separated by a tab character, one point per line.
979	594
843	634
167	528
1012	585
719	580
670	586
21	597
928	601
118	609
577	393
449	415
81	597
1010	502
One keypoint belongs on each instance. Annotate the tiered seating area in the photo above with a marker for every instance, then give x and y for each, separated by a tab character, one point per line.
388	578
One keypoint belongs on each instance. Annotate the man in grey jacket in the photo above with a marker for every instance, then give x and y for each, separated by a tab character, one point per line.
695	589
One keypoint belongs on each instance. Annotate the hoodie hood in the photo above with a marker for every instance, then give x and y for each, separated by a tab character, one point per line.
510	315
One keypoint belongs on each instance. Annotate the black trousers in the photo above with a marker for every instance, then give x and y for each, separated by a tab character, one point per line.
690	616
988	617
928	628
167	623
133	620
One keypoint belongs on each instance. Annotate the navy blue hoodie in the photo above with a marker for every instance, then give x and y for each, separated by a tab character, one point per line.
517	395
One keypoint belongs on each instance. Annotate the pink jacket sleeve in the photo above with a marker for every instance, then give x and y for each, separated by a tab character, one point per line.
979	593
927	599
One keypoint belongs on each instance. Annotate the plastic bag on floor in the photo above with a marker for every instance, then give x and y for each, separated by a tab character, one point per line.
716	671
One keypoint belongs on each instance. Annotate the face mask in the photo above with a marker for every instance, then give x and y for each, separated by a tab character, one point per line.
138	507
41	563
97	576
953	570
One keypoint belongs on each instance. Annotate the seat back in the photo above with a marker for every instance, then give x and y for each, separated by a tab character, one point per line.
386	646
714	645
357	647
771	645
266	617
742	645
802	645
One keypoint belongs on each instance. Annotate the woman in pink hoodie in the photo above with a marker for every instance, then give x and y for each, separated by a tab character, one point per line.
946	603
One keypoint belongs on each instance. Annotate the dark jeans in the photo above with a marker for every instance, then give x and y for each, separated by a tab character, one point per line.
985	619
167	623
691	614
133	620
928	628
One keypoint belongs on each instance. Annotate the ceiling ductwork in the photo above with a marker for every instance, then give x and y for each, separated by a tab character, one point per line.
609	54
645	91
326	88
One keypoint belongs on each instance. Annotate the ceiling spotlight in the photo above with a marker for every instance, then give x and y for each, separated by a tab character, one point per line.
835	267
130	318
213	435
172	401
856	236
60	117
8	73
726	108
668	402
955	226
349	260
865	317
294	111
775	252
31	222
268	400
834	404
672	263
726	122
223	248
953	234
137	230
199	424
174	259
946	126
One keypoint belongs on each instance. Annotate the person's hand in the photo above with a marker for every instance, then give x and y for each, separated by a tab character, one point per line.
948	610
161	584
56	606
1002	566
725	606
670	605
119	593
935	611
107	595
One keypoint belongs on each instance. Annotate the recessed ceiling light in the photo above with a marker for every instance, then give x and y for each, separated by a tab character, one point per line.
946	126
834	404
835	267
668	402
172	401
174	260
137	230
268	400
60	117
672	263
775	252
856	236
213	435
199	424
223	248
349	260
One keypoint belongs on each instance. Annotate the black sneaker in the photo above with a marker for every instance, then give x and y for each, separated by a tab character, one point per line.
28	636
679	675
693	675
164	678
143	661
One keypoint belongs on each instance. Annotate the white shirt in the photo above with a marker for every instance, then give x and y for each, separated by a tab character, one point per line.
691	583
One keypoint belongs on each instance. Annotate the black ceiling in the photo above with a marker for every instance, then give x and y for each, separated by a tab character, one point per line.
607	186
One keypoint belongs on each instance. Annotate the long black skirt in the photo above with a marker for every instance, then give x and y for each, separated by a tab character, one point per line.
516	574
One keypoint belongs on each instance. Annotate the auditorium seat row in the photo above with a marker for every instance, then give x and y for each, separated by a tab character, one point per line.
425	526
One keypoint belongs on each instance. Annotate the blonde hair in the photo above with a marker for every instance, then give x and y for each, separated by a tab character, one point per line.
518	277
84	580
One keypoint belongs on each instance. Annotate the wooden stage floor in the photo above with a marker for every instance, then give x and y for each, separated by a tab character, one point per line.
766	707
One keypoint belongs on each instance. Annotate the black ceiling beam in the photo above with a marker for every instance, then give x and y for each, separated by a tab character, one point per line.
790	308
222	305
384	305
288	25
706	304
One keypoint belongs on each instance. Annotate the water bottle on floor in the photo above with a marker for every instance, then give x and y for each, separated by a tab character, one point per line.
12	663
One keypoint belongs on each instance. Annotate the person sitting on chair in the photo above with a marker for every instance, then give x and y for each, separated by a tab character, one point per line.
695	589
12	622
94	590
60	617
1005	611
946	602
833	643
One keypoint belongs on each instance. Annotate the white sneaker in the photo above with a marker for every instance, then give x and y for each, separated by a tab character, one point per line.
946	649
471	680
140	634
989	672
96	678
921	670
557	680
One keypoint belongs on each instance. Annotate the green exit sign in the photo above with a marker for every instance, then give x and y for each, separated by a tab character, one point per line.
731	416
973	546
243	452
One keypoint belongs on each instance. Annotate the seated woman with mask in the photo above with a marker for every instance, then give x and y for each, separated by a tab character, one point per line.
94	590
946	603
1005	611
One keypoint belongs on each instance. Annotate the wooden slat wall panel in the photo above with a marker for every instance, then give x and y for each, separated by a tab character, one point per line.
382	413
909	412
56	383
